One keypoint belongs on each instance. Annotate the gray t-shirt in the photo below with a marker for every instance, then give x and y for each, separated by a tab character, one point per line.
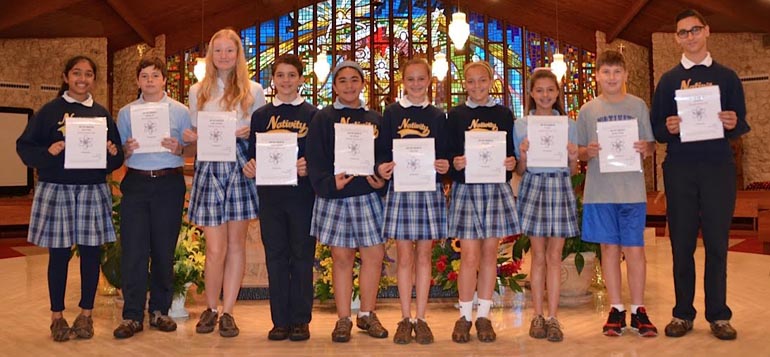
617	187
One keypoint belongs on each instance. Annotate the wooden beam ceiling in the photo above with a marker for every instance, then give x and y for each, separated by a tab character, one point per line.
17	12
130	18
629	16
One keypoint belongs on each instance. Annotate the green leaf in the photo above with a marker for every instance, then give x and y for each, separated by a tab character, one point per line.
579	262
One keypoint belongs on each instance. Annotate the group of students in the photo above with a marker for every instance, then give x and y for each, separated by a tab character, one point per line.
347	213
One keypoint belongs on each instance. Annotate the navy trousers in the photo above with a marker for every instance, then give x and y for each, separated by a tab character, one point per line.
289	253
700	196
151	216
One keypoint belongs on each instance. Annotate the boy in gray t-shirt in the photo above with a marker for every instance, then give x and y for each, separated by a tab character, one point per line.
615	204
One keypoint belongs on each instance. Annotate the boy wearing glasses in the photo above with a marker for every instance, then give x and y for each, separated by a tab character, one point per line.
700	177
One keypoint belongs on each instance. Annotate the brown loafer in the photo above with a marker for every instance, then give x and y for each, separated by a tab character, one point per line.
299	332
227	326
484	330
278	334
342	329
678	327
462	331
207	322
127	328
83	327
162	322
403	333
422	333
60	330
722	330
372	325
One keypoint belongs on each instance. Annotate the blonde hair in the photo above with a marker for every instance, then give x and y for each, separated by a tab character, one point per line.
237	86
483	64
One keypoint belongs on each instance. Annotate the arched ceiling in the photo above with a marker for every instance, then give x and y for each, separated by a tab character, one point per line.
128	22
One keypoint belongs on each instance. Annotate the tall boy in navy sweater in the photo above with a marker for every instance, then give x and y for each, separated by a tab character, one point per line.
699	177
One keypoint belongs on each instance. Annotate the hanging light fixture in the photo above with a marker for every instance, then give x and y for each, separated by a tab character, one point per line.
558	66
459	30
200	63
321	67
440	66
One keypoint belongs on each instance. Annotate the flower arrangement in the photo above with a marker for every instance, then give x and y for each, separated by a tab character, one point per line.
324	290
189	258
446	265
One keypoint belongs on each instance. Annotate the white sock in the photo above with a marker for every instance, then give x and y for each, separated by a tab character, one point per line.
214	310
634	308
483	309
619	307
466	309
363	313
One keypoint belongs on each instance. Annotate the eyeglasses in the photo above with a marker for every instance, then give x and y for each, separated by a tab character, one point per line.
695	30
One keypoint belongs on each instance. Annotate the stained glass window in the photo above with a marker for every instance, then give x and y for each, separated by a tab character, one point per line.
382	35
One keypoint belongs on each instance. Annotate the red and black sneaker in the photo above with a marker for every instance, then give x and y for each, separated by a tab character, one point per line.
641	323
615	324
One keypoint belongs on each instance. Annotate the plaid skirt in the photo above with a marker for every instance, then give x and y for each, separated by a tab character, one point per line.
349	222
547	206
479	211
65	215
415	215
221	193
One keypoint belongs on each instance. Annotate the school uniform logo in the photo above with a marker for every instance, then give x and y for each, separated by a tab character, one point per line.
417	129
478	125
346	120
687	84
286	126
63	123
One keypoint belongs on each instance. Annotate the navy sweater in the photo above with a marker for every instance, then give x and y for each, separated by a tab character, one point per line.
283	118
47	127
320	151
663	106
413	122
463	118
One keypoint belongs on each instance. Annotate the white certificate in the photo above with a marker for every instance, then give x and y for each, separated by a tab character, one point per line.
547	141
414	170
276	159
616	139
149	125
85	143
354	149
699	109
485	156
216	136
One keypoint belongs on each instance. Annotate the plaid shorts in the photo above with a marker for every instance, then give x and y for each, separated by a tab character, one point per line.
479	211
65	215
547	206
415	215
349	222
221	193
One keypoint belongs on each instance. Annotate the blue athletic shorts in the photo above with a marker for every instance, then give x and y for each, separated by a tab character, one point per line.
615	223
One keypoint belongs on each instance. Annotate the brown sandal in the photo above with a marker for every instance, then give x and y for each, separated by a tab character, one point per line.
462	331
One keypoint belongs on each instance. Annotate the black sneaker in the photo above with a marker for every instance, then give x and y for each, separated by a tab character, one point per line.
640	322
615	324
